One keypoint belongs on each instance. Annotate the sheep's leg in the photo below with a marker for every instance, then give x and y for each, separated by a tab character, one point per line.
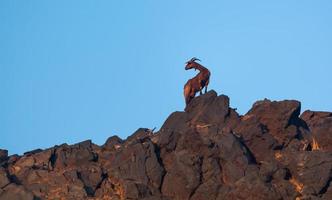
206	85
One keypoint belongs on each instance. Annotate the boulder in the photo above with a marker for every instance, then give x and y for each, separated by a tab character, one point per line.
75	155
310	171
206	152
251	187
3	155
16	192
320	125
138	163
256	136
211	109
112	143
4	181
279	118
177	122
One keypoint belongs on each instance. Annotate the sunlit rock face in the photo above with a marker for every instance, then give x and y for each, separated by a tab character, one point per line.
207	152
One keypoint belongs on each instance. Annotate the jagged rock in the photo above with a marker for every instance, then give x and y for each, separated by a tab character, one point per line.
3	178
320	125
136	190
16	192
177	122
235	158
140	134
3	155
272	125
196	164
310	171
28	153
108	150
112	143
211	109
111	188
255	135
328	194
252	188
206	152
12	159
91	177
279	118
183	166
139	165
210	180
75	155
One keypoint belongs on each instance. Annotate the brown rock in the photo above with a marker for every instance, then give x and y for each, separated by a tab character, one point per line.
91	177
310	172
3	178
255	135
252	188
111	188
206	152
3	155
112	143
328	194
139	164
139	135
28	153
16	192
176	122
210	109
75	155
183	166
235	158
278	117
136	190
320	125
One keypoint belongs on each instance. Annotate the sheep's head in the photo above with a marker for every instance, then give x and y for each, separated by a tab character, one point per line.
191	63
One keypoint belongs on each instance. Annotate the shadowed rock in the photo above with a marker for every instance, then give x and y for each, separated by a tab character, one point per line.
3	155
320	125
208	151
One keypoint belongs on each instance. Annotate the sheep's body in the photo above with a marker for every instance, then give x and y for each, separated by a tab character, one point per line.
198	83
194	85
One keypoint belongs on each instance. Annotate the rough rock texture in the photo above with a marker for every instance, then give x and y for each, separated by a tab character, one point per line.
207	152
320	124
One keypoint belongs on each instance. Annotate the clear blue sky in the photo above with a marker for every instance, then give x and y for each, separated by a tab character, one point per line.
77	70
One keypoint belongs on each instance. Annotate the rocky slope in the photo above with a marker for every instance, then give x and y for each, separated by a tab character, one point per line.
207	152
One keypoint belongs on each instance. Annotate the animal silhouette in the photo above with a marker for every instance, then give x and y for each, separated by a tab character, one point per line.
198	83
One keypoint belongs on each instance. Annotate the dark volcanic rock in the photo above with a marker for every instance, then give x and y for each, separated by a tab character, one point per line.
177	121
112	142
277	118
211	109
206	152
256	136
320	125
3	178
272	125
75	155
305	168
16	192
3	155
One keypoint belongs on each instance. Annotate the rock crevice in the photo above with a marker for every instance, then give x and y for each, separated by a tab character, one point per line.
207	152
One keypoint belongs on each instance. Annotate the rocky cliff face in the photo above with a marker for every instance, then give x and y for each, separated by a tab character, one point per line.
207	152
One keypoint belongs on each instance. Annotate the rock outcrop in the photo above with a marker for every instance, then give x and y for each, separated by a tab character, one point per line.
207	152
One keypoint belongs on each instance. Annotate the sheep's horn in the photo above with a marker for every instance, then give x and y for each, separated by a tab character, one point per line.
194	59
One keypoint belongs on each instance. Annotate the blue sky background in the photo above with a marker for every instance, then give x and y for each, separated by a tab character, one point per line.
77	70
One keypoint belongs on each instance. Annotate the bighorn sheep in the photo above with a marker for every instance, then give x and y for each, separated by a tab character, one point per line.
197	83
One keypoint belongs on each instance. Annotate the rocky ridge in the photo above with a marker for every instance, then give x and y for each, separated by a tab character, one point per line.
207	152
